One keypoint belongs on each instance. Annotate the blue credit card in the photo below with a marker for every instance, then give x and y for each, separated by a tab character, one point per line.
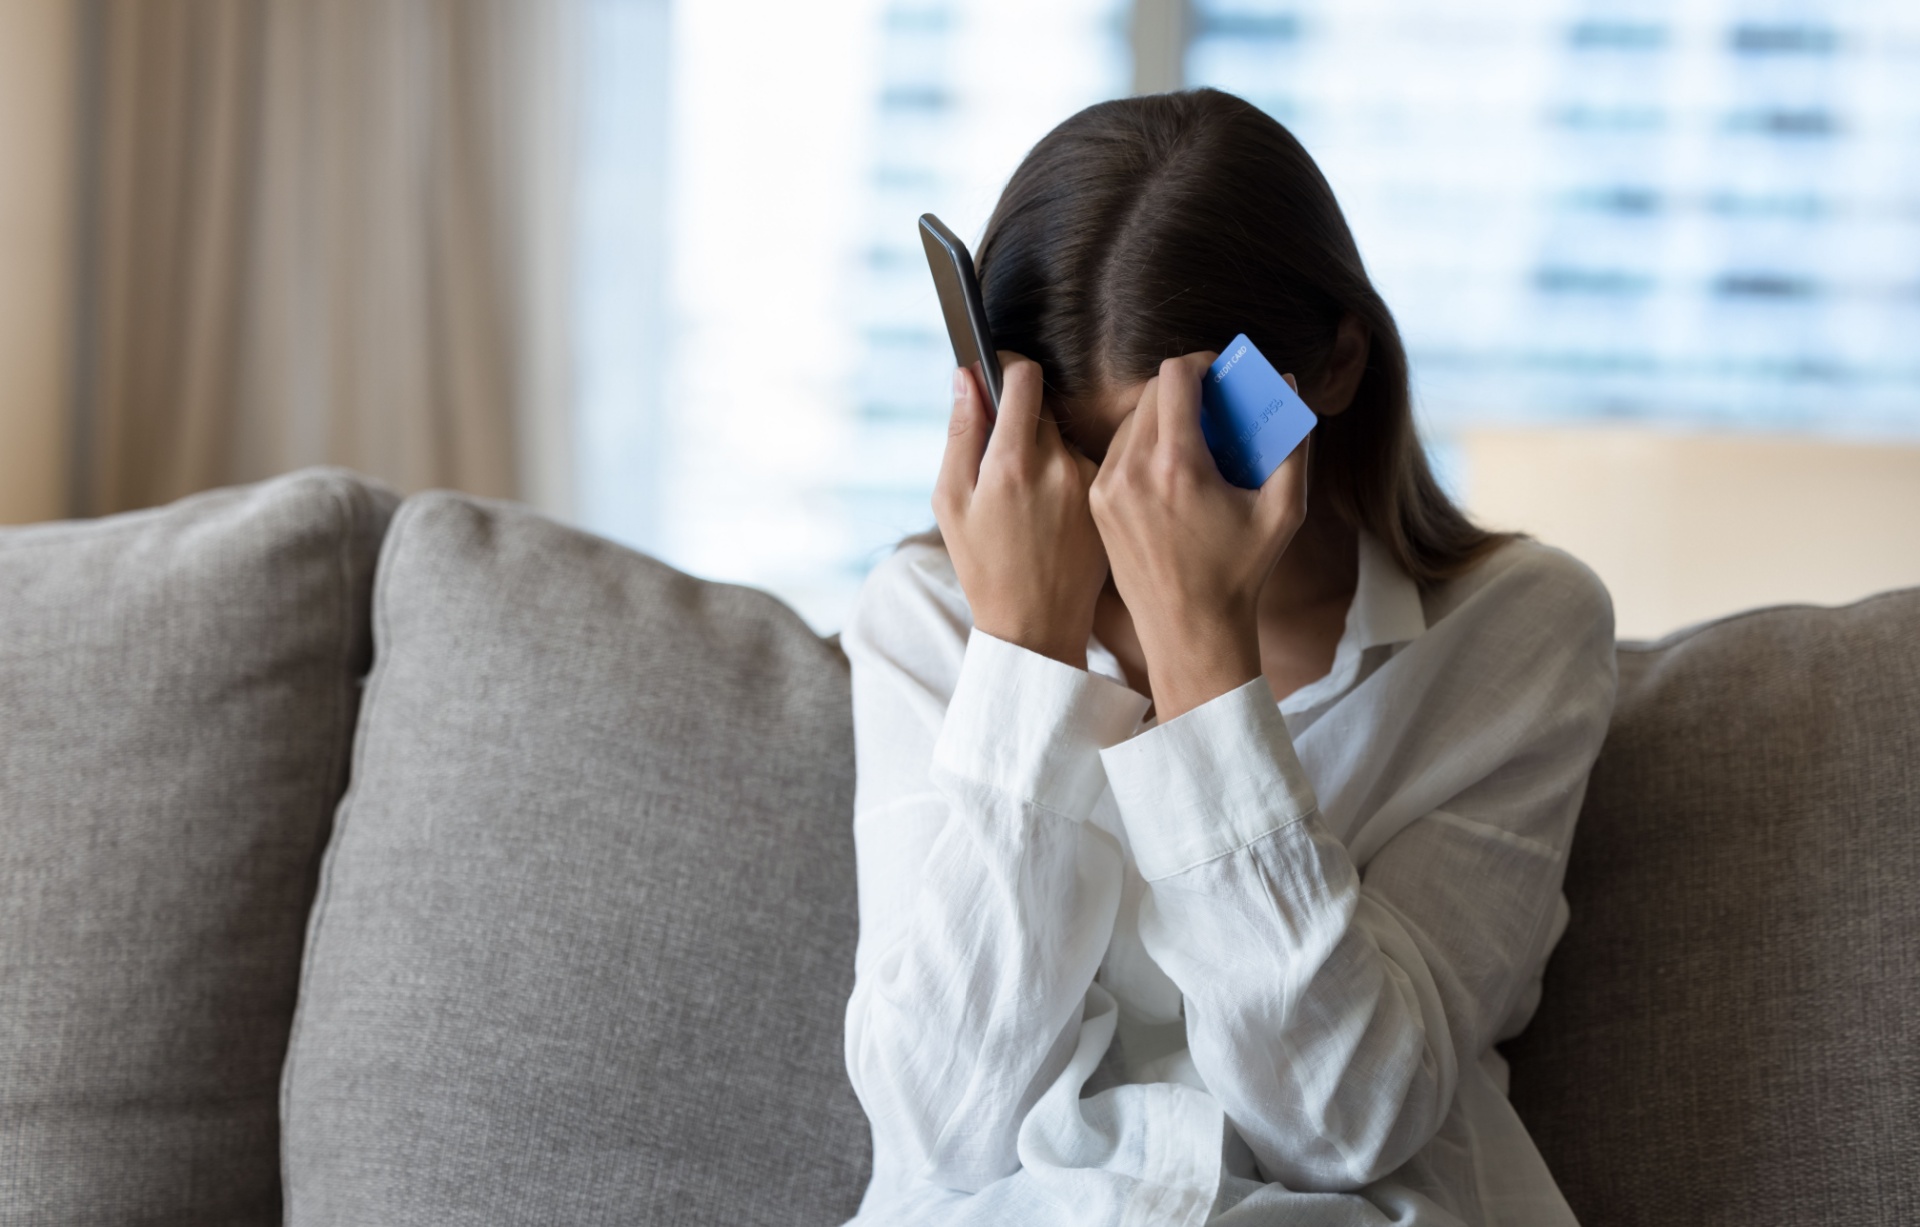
1251	418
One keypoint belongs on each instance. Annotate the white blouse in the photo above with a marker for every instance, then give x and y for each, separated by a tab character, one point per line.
1247	967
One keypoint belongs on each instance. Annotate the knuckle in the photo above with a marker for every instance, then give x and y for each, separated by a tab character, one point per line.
1012	479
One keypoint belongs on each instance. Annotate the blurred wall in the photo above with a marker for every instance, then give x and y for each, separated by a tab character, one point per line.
1686	527
37	55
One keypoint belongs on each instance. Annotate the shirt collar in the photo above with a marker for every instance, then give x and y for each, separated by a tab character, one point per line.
1385	610
1386	602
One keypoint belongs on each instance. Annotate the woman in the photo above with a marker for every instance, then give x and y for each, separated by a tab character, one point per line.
1208	838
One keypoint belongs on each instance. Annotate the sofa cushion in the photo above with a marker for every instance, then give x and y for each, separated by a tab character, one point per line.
585	932
1728	1031
177	700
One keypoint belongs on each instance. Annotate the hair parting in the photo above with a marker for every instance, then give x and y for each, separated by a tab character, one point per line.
1149	227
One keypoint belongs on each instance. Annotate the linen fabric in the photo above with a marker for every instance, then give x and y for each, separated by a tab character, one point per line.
585	928
177	699
1729	1030
1247	967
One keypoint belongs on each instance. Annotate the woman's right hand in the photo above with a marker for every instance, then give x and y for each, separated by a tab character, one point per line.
1011	501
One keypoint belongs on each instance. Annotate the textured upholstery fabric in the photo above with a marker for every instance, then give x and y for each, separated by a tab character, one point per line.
1729	1029
585	931
177	702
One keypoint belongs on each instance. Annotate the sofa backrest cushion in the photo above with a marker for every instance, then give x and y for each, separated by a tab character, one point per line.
585	933
1728	1030
177	702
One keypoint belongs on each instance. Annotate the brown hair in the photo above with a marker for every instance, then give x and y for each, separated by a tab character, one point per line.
1149	227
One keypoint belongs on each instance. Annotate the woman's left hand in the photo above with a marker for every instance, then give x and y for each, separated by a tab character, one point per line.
1190	551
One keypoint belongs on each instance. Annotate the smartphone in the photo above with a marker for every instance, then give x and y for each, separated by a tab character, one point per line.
959	288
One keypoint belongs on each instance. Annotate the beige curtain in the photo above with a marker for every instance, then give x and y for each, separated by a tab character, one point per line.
324	231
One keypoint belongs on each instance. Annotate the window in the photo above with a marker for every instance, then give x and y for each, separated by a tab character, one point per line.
1706	214
1700	215
782	424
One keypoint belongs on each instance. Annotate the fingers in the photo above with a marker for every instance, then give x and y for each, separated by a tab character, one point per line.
1146	422
1179	408
1017	433
1107	472
1121	444
1050	440
1089	473
967	437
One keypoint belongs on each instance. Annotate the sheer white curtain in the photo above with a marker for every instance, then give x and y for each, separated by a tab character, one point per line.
324	231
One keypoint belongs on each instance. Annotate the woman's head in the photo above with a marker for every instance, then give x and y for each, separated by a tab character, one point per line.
1146	228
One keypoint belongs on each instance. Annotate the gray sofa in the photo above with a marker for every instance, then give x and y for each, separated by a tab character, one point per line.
550	919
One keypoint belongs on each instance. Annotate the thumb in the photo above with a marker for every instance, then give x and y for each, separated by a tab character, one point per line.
967	432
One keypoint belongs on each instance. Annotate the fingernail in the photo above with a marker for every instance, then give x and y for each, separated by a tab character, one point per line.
959	385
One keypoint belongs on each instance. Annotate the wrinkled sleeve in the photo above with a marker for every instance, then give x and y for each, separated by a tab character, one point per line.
986	899
1330	1010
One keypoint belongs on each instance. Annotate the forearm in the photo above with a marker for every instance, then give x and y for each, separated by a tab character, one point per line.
958	1025
1310	1014
1196	658
978	947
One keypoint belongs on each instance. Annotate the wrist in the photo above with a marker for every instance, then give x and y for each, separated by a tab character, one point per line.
1042	640
1200	665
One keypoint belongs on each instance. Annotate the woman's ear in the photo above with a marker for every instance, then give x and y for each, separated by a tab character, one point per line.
1345	366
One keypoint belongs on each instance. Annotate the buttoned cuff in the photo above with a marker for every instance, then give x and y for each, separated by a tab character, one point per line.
1031	726
1208	782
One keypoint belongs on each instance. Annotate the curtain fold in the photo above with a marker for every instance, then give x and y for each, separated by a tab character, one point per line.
323	231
